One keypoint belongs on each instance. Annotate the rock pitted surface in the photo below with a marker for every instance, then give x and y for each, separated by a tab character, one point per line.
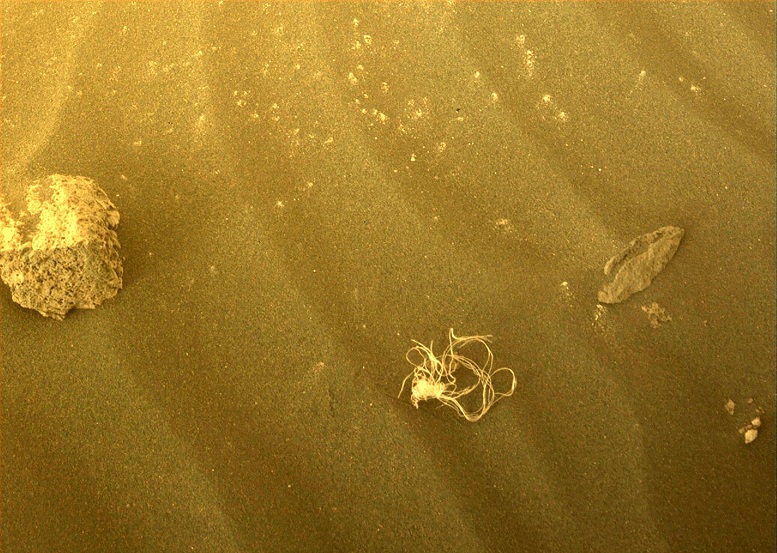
62	251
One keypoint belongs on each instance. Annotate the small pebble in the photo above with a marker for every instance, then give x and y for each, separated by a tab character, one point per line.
751	435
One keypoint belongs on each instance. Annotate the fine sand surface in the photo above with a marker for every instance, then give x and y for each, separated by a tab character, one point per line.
306	188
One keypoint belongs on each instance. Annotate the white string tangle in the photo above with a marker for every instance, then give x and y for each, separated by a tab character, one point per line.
433	377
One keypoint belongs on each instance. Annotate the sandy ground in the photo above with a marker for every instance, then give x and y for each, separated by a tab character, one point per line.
304	189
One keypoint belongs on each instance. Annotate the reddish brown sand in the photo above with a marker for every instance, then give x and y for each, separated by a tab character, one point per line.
305	188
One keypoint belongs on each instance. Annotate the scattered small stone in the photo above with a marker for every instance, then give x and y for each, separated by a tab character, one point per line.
750	430
656	314
504	225
565	291
751	435
730	406
748	419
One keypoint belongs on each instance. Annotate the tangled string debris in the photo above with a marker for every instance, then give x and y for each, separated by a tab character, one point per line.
433	377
